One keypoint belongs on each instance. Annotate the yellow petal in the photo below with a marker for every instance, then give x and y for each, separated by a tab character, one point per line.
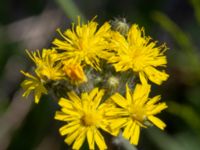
118	123
159	123
136	134
28	75
59	115
155	75
93	93
85	97
128	130
64	117
80	139
27	92
71	137
128	95
135	36
73	97
71	112
115	112
90	138
69	128
154	100
157	109
104	28
65	103
119	100
98	98
100	140
141	93
143	78
37	97
107	128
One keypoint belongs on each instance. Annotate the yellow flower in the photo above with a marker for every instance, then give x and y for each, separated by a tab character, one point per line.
84	116
75	73
136	110
33	84
139	53
84	43
47	65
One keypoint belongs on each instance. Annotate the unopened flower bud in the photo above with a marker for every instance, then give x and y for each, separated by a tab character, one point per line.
120	25
113	82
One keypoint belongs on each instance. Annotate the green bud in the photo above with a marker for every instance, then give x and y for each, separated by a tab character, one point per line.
120	25
113	82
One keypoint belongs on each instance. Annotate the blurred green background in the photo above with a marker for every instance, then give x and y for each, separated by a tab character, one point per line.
32	25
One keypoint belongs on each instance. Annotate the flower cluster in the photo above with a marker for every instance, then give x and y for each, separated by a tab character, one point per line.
101	77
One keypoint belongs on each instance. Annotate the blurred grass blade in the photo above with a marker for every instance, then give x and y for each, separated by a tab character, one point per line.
188	140
163	140
196	6
187	113
179	36
70	9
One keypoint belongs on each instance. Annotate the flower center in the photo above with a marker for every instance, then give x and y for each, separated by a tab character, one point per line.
138	60
90	119
138	114
83	44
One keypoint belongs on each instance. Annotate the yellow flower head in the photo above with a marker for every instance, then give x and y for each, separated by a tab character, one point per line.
47	65
136	110
139	53
75	73
33	84
84	43
84	116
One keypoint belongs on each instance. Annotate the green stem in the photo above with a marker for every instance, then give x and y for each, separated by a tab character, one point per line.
70	9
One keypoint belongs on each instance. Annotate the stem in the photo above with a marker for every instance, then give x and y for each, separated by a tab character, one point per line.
70	9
